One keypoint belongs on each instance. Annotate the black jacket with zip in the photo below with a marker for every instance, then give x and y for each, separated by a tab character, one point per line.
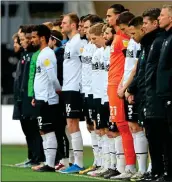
164	72
154	106
22	101
137	87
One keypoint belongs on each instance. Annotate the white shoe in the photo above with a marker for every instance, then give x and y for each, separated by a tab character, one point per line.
125	175
99	172
137	176
94	172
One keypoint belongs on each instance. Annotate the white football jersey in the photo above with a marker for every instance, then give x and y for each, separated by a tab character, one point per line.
105	59
97	74
46	82
72	64
86	58
131	58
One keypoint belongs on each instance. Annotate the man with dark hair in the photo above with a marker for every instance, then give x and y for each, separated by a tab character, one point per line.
62	140
46	99
26	111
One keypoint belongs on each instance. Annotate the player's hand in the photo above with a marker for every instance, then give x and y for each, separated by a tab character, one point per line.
120	92
127	95
131	99
58	92
33	102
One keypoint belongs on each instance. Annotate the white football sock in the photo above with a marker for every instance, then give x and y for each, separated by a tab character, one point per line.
119	154
99	158
149	167
51	143
71	153
44	147
94	146
106	153
77	144
141	150
112	151
65	161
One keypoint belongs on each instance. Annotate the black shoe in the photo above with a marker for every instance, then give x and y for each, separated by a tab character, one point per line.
111	173
151	177
163	178
46	168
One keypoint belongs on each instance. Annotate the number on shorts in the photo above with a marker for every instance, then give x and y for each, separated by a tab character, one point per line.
68	109
40	122
98	119
130	111
90	113
113	110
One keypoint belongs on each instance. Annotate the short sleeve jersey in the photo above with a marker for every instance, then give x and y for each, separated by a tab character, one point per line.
131	57
43	89
72	64
86	59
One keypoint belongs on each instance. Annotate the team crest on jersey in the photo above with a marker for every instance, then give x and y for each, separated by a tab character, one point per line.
81	50
125	43
46	62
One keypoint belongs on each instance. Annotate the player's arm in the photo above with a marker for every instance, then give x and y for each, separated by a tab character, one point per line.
51	74
130	79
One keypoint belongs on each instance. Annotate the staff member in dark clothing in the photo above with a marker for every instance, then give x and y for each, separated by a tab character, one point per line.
146	96
26	113
164	82
62	140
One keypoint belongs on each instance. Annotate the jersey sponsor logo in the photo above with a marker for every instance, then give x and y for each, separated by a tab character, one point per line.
86	60
38	69
129	54
101	66
107	67
125	43
67	55
95	66
46	62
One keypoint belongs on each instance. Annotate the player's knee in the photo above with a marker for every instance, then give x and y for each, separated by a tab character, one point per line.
134	127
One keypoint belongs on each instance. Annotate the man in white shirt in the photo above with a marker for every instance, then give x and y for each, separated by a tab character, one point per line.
71	88
46	99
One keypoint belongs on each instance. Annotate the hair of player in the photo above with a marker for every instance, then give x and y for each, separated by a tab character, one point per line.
82	17
56	35
24	29
136	21
93	19
152	13
42	31
15	36
73	18
96	29
124	18
169	7
48	24
104	27
118	8
57	22
112	29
